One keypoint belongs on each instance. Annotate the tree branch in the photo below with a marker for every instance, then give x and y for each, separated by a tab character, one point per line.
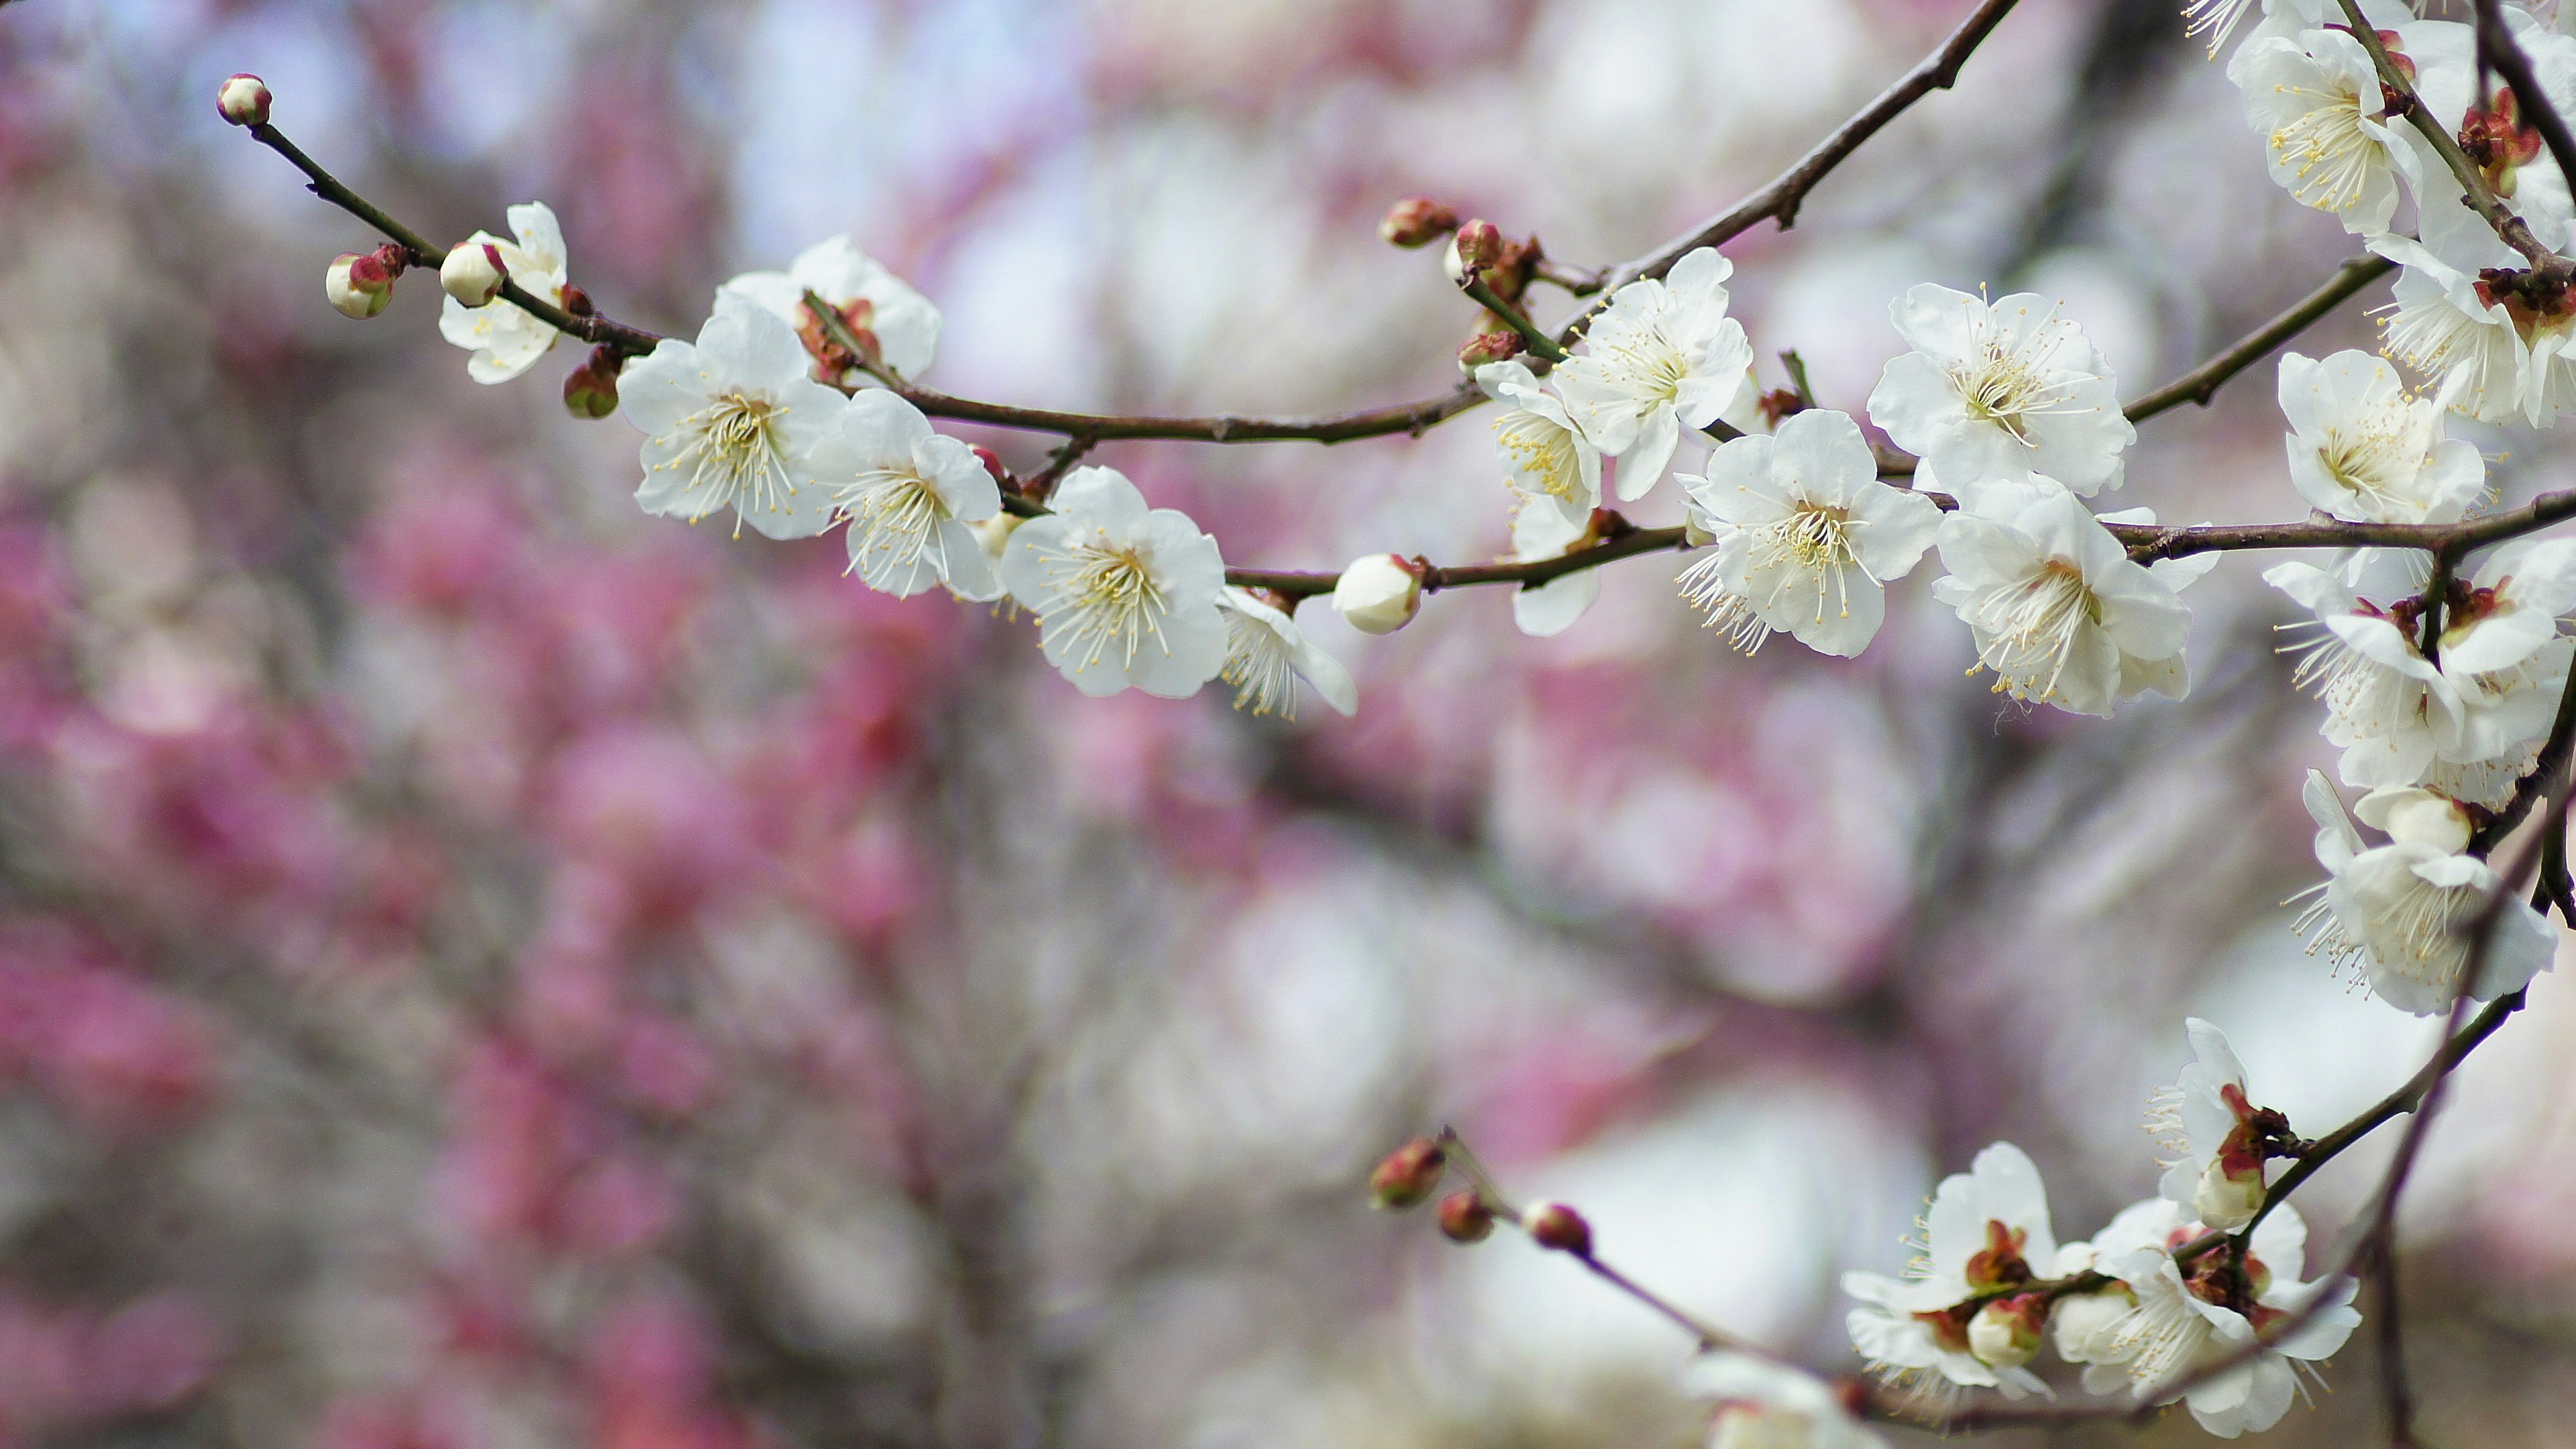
2203	382
2498	48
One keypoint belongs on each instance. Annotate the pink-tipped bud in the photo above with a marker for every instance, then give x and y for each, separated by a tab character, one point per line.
1379	593
577	302
1405	1177
358	285
1464	1218
591	391
473	273
992	462
243	100
1486	348
1479	244
1417	221
1554	1225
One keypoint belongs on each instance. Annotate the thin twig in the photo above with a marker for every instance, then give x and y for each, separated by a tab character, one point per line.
2498	48
2203	382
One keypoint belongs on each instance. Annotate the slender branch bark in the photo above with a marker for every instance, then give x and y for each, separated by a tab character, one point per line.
2203	382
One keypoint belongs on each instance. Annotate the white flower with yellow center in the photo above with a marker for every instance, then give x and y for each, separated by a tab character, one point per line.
1766	1405
733	421
2365	450
2316	101
1987	1231
910	495
1546	455
1661	358
505	340
2060	613
2392	913
899	324
2492	356
1807	536
1266	654
1125	596
1996	392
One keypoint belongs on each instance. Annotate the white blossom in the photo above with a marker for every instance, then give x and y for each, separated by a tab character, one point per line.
1766	1405
1266	654
1125	596
910	495
1807	535
2364	450
2392	913
1996	392
1661	358
2060	613
505	340
878	306
2495	357
1546	455
2317	102
2218	1135
1378	593
2509	152
1540	533
1986	1229
733	421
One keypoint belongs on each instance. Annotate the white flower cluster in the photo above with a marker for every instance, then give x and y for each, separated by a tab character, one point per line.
2174	1300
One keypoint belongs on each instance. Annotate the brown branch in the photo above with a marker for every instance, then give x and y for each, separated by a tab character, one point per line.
2203	382
2498	48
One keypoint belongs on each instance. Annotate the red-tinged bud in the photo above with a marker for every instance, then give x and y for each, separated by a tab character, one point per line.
473	273
2006	1332
1780	403
992	462
1417	221
1853	1394
1406	1177
358	285
1554	1225
396	260
577	302
1479	244
591	391
1464	1218
1489	347
243	100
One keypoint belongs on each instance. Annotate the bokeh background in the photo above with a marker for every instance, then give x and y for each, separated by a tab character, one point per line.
483	969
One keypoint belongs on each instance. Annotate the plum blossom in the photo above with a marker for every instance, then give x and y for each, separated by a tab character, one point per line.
1664	356
2318	104
2458	318
2510	155
1266	654
1125	596
1986	1230
911	496
879	308
2364	450
1996	392
2390	913
734	421
1547	456
1807	536
2060	613
505	340
1766	1405
2222	1140
2185	1322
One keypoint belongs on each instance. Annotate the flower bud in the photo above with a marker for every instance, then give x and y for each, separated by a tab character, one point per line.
591	390
243	100
994	534
1405	1177
358	285
1417	221
473	273
1478	245
992	462
2227	1201
1379	593
2087	1325
2005	1333
1464	1218
1554	1225
576	302
1488	347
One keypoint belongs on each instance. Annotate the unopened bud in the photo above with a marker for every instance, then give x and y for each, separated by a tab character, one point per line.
473	273
1379	593
576	301
1479	245
591	390
243	100
358	285
1554	1225
992	462
1464	1218
2005	1333
1417	221
1406	1177
1488	347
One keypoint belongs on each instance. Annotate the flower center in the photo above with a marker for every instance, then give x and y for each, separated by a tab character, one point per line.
894	511
2380	454
2329	148
1814	543
1541	452
2007	386
2028	631
1257	664
734	456
1106	597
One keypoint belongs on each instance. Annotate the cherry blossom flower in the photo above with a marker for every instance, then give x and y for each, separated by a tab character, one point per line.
2391	913
2318	104
1987	1229
734	421
911	496
1547	456
1125	596
1266	654
1807	536
2060	613
2221	1138
2183	1324
506	341
1540	533
1766	1405
2496	355
2364	450
880	308
2508	153
1996	392
2086	1326
1662	357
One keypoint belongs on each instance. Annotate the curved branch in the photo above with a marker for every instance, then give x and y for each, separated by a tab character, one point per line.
2203	382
